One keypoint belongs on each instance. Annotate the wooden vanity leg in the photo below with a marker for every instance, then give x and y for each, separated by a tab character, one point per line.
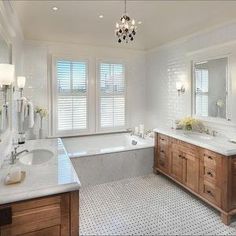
225	218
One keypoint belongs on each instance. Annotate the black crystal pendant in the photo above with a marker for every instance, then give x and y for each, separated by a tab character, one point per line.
119	40
124	37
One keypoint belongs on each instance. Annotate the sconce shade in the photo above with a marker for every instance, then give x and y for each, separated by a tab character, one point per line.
178	85
7	72
21	81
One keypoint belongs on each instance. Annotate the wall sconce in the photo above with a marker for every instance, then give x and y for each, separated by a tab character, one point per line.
180	88
21	83
7	72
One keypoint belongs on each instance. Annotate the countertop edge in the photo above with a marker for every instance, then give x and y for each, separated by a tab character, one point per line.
41	193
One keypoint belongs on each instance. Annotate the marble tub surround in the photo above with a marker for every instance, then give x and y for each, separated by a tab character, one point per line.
219	143
52	177
104	144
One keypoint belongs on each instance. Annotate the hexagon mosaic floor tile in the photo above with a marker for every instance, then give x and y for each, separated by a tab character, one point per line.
148	205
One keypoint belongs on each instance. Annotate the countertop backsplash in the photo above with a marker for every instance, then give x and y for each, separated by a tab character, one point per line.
5	146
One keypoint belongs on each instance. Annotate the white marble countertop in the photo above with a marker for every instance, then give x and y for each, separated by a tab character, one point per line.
219	144
52	177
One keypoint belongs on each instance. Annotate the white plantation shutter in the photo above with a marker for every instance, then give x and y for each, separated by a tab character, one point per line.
201	76
71	95
111	92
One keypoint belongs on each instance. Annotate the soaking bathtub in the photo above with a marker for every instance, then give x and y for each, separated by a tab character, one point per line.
109	157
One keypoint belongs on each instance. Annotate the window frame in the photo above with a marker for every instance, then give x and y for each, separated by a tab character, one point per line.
98	117
54	99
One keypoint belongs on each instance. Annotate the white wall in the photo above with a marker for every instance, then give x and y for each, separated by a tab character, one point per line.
167	64
11	31
37	60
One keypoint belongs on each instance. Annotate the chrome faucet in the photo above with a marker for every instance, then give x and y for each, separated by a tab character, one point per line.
214	132
15	154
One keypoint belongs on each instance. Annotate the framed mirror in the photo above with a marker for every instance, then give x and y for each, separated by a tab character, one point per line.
210	81
5	57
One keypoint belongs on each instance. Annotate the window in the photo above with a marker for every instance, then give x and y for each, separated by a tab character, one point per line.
71	96
201	76
111	96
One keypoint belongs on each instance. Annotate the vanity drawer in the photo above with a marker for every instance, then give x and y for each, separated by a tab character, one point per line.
211	192
209	174
163	148
163	139
211	159
162	162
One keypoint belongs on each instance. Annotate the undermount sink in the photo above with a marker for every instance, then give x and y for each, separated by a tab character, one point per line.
36	157
200	136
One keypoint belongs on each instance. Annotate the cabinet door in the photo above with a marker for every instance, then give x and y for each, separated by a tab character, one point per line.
176	165
191	171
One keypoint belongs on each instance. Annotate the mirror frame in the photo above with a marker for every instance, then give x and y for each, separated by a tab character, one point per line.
193	88
8	42
219	51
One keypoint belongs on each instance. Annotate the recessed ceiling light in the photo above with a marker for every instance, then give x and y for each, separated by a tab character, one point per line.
101	16
139	22
55	8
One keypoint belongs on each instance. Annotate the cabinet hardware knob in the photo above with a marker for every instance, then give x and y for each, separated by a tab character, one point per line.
209	173
209	157
162	151
209	192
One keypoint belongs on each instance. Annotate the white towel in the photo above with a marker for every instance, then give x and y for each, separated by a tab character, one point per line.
23	108
31	115
4	120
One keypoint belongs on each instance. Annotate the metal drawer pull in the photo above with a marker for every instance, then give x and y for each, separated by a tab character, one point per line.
162	151
209	157
209	173
162	139
209	192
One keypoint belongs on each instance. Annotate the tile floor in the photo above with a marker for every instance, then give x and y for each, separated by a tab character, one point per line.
149	205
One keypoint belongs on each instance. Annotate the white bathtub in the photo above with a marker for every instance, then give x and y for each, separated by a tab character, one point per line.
106	143
100	159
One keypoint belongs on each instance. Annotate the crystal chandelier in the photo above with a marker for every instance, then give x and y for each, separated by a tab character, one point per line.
126	29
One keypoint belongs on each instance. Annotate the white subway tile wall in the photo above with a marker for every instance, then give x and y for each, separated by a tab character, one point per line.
169	64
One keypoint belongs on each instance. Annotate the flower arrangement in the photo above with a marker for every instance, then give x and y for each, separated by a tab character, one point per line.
220	103
190	123
41	111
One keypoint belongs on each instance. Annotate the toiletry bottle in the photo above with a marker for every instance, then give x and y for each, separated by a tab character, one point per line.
21	139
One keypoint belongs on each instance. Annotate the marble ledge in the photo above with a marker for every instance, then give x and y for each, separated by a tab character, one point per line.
52	177
218	144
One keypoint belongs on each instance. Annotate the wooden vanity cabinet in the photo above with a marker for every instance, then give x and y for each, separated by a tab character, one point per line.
56	215
209	175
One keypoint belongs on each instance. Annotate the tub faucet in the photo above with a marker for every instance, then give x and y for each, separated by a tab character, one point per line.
214	133
15	154
130	131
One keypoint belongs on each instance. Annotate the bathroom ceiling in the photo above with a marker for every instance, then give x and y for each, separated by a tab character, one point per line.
79	22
